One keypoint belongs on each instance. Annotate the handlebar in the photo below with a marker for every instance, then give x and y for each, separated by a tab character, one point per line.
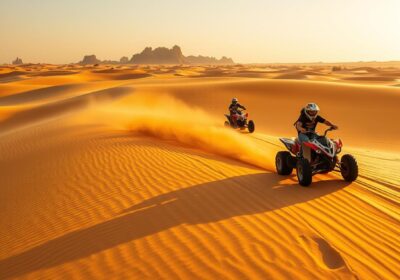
329	129
325	132
240	110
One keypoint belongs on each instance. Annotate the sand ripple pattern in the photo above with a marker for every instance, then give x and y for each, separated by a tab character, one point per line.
106	184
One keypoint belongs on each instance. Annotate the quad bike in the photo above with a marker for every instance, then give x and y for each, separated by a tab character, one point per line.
319	155
241	121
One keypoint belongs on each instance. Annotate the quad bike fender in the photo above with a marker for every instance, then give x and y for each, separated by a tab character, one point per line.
290	144
338	144
228	117
310	145
330	151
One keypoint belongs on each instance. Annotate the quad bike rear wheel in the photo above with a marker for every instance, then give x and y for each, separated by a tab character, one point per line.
349	168
304	172
283	163
251	126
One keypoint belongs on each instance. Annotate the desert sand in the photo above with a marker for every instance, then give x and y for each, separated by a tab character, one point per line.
127	172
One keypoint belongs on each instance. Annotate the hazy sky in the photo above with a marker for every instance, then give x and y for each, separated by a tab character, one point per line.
246	30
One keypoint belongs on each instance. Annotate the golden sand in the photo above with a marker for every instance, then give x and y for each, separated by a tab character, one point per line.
127	172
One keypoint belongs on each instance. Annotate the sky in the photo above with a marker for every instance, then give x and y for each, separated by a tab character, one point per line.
249	31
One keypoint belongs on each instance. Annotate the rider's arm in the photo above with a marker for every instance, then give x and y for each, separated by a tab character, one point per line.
244	108
300	128
328	123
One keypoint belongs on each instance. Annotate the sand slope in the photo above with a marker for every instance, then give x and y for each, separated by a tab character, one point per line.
131	178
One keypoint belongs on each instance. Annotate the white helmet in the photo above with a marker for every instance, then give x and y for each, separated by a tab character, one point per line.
235	100
311	110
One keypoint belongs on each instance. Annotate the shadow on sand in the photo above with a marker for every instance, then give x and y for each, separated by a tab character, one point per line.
204	203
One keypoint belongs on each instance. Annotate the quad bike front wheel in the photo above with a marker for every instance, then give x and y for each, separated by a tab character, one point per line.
304	172
251	126
282	163
349	168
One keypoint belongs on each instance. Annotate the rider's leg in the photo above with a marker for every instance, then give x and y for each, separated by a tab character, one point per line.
305	151
241	119
234	118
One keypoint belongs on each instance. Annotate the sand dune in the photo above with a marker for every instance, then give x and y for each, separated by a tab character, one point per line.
103	177
55	73
58	108
296	76
372	78
40	94
275	105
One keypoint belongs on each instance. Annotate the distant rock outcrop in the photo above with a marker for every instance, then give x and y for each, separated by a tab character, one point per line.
90	59
160	55
17	61
208	60
124	60
110	62
174	56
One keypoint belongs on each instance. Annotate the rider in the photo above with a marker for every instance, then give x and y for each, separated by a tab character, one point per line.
234	110
308	120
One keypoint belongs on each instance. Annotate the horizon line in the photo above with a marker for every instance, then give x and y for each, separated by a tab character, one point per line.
247	63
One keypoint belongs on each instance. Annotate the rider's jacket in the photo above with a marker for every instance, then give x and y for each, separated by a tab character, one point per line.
233	108
308	124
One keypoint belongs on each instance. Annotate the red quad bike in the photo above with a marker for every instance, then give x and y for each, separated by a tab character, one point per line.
241	121
323	154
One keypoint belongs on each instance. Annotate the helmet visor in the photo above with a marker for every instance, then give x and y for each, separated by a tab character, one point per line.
312	113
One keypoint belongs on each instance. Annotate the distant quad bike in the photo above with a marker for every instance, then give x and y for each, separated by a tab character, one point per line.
241	121
321	158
